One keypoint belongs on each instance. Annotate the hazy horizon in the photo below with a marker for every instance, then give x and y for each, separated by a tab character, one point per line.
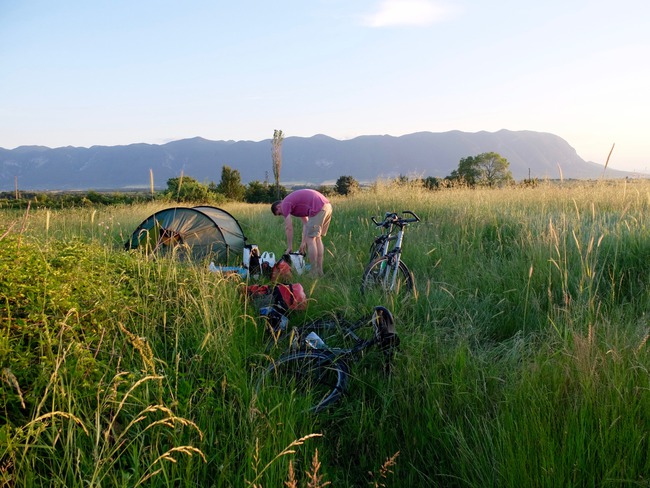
119	73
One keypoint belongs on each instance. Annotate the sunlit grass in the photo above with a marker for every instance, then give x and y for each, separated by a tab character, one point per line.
523	360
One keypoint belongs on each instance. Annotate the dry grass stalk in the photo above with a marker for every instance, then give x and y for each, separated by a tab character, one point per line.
168	456
292	482
45	417
315	479
7	231
384	471
141	345
24	224
290	449
607	161
10	378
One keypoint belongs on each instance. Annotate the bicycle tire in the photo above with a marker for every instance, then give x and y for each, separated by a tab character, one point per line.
377	273
312	378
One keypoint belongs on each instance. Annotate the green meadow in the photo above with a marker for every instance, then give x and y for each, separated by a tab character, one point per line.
523	358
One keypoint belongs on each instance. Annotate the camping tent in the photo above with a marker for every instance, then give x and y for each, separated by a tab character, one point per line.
195	233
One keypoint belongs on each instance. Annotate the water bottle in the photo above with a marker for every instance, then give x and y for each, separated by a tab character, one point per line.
314	341
282	324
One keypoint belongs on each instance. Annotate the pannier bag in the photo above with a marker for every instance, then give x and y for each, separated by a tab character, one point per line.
289	296
282	272
286	297
251	259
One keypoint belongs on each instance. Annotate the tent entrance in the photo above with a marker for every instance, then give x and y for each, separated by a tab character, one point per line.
191	233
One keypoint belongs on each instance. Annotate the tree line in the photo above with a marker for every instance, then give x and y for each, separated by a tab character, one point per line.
486	169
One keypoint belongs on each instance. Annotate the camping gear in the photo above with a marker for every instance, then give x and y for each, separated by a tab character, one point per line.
250	251
286	297
298	262
275	319
229	270
282	271
289	296
251	260
268	258
190	233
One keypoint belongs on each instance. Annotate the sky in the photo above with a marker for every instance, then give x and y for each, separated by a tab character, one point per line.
117	72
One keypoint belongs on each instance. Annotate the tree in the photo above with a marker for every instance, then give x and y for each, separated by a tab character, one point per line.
431	183
230	185
258	192
186	189
276	153
346	185
485	169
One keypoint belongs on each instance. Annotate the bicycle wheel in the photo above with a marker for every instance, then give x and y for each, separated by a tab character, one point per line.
313	379
380	274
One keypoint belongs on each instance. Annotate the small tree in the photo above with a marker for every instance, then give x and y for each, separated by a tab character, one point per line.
485	169
346	185
186	189
230	185
276	153
257	192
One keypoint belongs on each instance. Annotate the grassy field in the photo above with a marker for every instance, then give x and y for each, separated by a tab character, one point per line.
523	359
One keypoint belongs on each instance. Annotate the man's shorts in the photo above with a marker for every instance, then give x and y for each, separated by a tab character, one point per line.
319	223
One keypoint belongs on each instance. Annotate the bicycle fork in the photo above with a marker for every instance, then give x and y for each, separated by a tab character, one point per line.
390	270
393	268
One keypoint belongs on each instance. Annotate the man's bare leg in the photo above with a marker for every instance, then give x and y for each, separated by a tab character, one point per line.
315	253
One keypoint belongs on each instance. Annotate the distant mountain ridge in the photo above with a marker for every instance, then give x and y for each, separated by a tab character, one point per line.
314	160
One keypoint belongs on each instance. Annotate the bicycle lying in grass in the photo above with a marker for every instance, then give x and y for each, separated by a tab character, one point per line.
386	271
316	370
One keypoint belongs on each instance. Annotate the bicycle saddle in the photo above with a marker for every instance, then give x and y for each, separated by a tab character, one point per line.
385	323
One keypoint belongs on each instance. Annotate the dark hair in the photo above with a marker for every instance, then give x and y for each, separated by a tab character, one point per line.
275	205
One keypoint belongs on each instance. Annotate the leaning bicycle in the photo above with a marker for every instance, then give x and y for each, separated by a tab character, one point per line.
386	271
315	372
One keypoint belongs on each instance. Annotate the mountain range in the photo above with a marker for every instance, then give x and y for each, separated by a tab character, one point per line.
315	160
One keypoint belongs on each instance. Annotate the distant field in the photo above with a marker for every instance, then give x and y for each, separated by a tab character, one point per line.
523	360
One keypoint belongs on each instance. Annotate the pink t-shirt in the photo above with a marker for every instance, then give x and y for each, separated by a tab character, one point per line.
303	203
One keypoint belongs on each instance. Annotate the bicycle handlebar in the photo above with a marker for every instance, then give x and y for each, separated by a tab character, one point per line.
392	218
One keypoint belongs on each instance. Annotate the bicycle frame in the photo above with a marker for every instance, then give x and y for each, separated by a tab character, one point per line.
395	256
313	363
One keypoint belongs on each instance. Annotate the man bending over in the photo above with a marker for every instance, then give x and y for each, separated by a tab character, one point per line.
315	212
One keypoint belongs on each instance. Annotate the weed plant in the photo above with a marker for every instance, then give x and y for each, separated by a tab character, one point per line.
523	358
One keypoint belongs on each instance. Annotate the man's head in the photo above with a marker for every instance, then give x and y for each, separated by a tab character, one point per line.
275	207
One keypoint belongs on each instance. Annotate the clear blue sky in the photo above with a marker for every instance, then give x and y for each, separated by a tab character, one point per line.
113	72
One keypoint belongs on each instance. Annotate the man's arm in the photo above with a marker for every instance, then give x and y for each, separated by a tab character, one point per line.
303	240
288	230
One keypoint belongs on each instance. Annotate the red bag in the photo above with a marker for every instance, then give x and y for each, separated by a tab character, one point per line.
281	271
258	290
290	297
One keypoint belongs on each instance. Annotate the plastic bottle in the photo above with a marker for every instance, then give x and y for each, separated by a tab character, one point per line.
314	341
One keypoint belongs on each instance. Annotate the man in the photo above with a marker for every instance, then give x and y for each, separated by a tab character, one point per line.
315	212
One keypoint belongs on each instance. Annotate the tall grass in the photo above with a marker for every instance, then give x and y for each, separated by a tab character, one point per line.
523	358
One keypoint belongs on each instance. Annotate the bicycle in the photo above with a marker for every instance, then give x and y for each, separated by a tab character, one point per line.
386	270
316	370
